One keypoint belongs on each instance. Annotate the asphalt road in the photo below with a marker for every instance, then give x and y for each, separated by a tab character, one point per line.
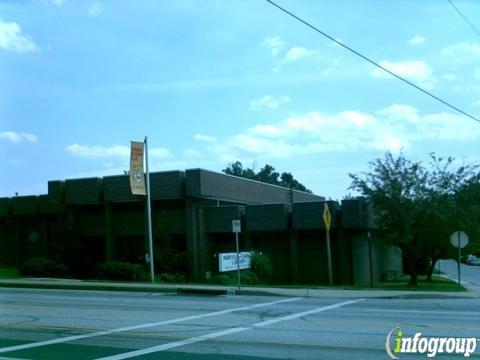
470	275
67	324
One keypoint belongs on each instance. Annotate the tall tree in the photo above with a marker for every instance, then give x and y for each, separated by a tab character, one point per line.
416	206
267	174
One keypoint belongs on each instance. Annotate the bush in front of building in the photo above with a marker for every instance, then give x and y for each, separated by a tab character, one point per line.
260	264
117	270
44	268
221	279
172	278
247	277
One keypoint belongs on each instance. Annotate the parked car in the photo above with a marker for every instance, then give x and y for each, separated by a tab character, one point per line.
473	260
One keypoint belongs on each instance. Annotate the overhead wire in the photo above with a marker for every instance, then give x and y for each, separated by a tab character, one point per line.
364	57
474	28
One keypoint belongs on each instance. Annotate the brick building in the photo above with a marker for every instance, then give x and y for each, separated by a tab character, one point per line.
82	222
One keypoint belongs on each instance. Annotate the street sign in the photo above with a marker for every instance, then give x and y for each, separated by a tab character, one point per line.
228	261
236	226
327	218
459	239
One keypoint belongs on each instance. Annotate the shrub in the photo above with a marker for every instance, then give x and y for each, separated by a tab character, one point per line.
172	278
221	279
247	277
260	264
116	270
43	267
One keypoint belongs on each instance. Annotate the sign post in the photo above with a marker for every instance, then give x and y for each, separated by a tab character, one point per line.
149	215
327	220
459	240
236	228
137	186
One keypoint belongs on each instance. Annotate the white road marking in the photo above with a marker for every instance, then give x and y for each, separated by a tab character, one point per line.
174	344
196	339
426	312
305	313
141	326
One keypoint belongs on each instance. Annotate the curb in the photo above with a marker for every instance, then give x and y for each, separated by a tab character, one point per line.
59	284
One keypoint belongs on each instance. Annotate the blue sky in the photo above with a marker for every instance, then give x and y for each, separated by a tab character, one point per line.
211	82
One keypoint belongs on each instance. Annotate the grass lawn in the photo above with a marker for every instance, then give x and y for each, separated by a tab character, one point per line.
8	273
438	283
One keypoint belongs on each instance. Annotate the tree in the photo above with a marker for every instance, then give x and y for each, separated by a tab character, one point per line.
267	174
417	207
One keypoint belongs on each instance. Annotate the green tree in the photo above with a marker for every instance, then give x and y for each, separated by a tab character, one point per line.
267	174
418	206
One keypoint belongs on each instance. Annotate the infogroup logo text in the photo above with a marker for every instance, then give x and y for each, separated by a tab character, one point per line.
431	346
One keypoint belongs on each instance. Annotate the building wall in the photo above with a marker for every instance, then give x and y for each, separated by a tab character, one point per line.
86	221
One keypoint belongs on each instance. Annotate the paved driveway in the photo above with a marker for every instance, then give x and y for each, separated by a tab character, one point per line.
470	275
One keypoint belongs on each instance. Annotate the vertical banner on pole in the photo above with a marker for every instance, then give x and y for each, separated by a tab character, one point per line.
137	178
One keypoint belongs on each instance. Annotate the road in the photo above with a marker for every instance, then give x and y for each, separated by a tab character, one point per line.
470	275
68	324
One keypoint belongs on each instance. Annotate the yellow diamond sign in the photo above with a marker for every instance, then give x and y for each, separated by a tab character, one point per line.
327	218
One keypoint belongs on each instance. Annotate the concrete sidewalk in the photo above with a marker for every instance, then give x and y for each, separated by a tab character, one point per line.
47	283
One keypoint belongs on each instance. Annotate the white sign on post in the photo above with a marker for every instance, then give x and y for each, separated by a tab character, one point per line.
459	238
228	261
236	226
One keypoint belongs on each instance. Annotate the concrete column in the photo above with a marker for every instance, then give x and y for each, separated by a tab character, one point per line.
360	260
294	257
109	242
192	239
203	245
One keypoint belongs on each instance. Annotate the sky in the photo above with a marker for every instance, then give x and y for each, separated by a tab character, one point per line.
212	82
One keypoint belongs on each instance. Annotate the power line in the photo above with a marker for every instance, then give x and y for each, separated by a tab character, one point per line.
465	18
373	62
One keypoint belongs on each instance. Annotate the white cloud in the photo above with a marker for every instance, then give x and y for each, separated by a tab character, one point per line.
451	77
475	103
275	44
417	71
12	39
269	102
297	53
115	152
462	49
95	9
53	2
191	153
393	128
416	40
16	162
476	73
204	138
15	137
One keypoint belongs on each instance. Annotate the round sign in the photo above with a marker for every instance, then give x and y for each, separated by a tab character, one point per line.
459	239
